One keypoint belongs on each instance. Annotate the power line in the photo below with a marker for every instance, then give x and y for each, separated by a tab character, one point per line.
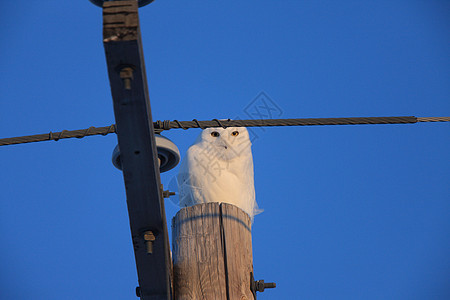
166	125
55	136
433	119
175	124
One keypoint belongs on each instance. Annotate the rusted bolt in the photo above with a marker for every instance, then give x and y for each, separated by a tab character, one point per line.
126	74
261	285
167	194
149	238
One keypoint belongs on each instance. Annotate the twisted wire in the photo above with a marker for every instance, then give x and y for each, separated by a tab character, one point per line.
178	123
160	126
283	122
433	119
219	123
196	123
56	136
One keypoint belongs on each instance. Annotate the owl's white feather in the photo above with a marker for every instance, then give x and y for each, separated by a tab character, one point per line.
218	167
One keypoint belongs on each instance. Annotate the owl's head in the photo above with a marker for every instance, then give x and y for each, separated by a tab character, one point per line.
228	143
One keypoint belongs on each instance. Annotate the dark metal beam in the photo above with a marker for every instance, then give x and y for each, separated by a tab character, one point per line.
134	126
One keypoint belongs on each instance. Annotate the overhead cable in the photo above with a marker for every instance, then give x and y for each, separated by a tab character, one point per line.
160	126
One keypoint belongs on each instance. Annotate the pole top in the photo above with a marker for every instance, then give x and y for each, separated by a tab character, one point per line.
141	3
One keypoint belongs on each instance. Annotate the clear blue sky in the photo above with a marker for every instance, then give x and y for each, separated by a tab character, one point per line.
351	212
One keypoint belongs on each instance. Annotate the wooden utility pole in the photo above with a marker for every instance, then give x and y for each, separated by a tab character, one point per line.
212	253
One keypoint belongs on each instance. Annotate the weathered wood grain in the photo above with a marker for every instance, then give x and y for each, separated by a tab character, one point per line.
212	252
120	21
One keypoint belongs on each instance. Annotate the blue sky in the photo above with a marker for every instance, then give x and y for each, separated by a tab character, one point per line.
350	212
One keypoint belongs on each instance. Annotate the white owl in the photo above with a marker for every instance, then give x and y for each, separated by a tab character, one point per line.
218	167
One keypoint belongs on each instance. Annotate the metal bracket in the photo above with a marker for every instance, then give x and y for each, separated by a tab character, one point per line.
138	291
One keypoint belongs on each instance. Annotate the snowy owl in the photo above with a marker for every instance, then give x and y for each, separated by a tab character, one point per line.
218	167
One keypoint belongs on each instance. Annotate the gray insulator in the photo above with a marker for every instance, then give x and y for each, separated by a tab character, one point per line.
168	154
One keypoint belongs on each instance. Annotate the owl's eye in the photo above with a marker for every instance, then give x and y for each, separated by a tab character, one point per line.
215	134
235	133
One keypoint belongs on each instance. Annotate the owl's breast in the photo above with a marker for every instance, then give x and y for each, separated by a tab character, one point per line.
210	178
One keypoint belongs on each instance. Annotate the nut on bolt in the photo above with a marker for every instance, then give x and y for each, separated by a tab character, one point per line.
149	238
261	285
167	194
126	74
